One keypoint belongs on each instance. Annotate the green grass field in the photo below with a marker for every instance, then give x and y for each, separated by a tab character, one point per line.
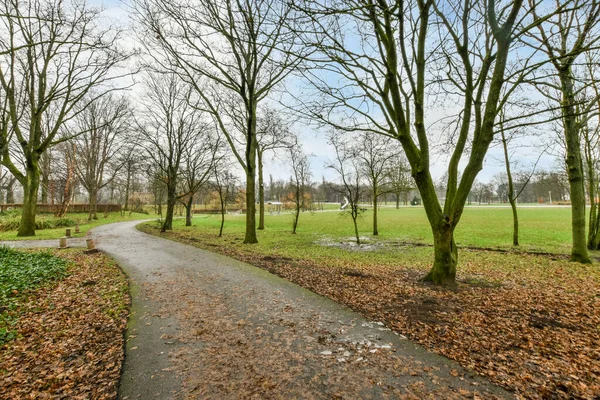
327	237
541	229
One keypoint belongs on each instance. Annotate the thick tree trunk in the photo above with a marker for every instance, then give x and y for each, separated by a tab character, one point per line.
93	205
397	201
171	200
10	191
579	252
250	154
261	193
445	261
30	194
375	206
250	237
188	211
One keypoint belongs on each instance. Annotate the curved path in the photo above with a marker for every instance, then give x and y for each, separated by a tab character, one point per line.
207	326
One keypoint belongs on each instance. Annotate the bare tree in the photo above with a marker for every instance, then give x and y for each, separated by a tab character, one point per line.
513	193
272	133
53	52
225	185
300	181
229	51
591	147
399	179
348	168
104	124
168	127
375	152
566	37
199	159
381	67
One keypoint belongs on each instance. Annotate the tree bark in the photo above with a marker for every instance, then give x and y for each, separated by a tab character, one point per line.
30	194
511	191
354	217
251	146
297	212
93	204
250	237
188	211
261	192
397	201
375	205
171	200
579	252
443	271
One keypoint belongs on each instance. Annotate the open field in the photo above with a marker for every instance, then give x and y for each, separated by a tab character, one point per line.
528	322
543	229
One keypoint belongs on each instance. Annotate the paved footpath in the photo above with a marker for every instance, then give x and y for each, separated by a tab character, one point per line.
205	326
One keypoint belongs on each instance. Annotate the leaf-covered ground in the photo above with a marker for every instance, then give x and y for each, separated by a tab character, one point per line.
529	323
69	334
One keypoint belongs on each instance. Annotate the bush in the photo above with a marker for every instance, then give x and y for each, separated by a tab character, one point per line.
10	222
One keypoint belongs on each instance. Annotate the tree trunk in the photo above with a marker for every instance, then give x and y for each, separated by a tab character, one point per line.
188	211
593	234
397	201
513	206
579	252
251	146
45	182
261	193
223	205
30	194
10	191
250	237
93	205
354	213
511	191
127	185
171	199
443	271
375	204
297	212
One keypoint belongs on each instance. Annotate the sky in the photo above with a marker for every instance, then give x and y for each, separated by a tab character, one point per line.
524	153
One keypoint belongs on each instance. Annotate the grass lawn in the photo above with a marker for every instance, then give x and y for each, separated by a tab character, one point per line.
77	218
528	322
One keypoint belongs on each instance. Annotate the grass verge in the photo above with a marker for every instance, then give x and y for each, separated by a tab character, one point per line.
54	228
67	328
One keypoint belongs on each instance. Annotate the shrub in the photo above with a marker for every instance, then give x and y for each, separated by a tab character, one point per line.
10	222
